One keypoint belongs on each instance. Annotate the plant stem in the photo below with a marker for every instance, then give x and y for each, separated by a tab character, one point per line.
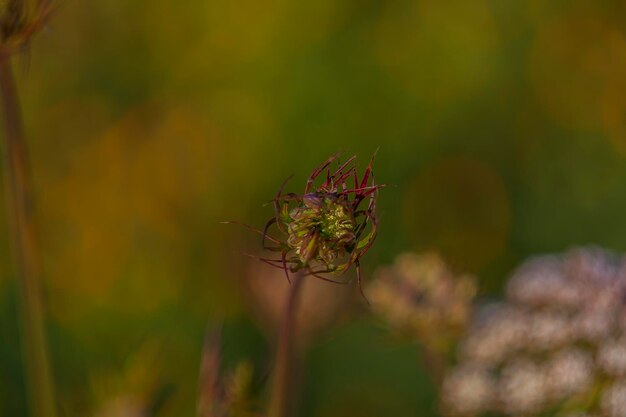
25	248
279	399
434	363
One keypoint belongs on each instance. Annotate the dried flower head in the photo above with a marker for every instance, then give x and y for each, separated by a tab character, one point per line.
555	346
19	21
419	295
327	228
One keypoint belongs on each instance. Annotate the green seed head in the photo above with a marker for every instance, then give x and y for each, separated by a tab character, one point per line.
322	227
329	227
336	223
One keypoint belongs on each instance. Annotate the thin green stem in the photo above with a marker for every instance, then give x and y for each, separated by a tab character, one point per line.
25	248
282	375
434	363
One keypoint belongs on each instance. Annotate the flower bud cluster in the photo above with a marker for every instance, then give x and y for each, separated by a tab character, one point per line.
420	296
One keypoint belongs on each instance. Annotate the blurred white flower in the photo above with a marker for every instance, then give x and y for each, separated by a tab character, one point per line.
614	400
556	345
547	330
500	331
612	357
568	372
522	387
420	296
468	391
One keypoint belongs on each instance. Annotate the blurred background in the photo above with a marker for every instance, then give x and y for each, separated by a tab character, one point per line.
502	133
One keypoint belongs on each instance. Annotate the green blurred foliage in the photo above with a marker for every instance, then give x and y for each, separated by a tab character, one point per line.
502	133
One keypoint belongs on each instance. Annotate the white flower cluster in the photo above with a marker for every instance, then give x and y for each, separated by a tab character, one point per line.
419	295
555	345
